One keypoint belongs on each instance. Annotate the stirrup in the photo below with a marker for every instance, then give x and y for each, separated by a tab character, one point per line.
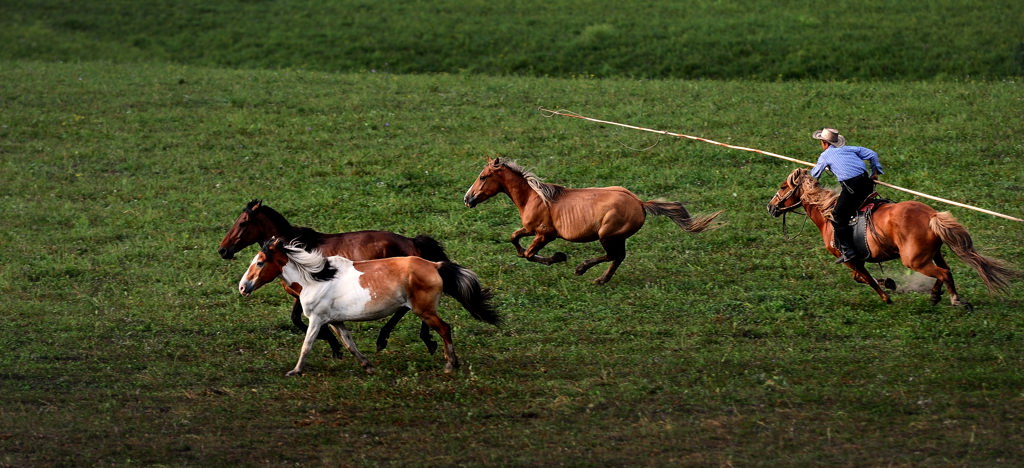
844	257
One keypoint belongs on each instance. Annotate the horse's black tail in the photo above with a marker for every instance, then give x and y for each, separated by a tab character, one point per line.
677	213
463	285
430	248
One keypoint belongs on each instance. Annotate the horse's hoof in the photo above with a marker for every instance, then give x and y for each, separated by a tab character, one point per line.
601	280
370	370
431	346
293	373
966	305
559	257
889	284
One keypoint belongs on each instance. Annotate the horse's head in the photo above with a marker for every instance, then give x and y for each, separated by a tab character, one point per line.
265	266
487	184
248	229
788	197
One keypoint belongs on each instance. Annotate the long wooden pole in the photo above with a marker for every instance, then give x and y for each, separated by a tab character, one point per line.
779	156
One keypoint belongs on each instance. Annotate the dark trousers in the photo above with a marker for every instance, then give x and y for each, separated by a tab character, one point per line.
854	192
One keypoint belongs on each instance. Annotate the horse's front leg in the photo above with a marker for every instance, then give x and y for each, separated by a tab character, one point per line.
519	234
539	241
350	344
861	275
325	334
315	323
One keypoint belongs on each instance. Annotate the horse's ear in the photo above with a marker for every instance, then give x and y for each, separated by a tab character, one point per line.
495	162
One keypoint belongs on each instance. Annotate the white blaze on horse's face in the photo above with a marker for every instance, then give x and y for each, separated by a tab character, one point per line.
479	192
261	271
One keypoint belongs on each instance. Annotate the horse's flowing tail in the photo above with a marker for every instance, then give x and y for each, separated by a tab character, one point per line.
430	249
463	285
677	213
995	273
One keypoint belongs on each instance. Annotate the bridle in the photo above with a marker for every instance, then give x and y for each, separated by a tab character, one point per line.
787	209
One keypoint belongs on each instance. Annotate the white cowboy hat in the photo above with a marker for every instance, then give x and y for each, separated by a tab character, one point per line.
830	136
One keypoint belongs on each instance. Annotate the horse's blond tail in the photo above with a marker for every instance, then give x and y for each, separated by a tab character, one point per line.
677	213
994	272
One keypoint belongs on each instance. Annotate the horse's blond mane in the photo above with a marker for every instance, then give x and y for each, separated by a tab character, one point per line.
547	192
812	193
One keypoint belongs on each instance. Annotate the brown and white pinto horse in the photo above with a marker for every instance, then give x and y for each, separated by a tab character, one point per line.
548	212
910	231
334	290
258	223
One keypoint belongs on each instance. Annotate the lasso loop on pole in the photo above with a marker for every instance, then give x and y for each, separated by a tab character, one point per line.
565	113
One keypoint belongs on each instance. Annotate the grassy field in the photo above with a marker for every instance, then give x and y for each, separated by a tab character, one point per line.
124	341
697	39
133	133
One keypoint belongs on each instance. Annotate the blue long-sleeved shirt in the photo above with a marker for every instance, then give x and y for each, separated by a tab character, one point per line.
846	162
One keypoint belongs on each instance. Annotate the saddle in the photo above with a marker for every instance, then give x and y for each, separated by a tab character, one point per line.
862	222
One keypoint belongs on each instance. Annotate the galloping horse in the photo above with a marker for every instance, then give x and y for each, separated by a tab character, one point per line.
335	289
258	223
910	231
549	212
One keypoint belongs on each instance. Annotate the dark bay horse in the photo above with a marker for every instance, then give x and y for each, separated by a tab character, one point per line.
910	231
258	223
334	290
548	212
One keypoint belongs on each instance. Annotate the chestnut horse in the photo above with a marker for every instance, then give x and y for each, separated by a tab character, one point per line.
548	212
910	231
258	223
334	290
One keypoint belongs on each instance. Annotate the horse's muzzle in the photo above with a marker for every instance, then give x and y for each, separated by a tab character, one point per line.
470	201
245	288
774	210
226	254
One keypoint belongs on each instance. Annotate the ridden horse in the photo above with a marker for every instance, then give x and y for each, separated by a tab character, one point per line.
335	289
910	231
548	212
258	223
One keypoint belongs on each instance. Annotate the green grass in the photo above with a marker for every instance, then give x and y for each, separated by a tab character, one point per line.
124	341
701	39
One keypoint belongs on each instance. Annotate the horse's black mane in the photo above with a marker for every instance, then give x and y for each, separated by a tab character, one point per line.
308	237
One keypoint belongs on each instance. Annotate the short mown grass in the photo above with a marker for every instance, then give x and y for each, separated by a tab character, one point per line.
124	341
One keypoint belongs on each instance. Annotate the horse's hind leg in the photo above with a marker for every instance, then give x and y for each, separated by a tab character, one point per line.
350	344
939	269
424	305
325	334
615	252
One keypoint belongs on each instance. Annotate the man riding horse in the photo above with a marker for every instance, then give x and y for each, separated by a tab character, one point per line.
847	163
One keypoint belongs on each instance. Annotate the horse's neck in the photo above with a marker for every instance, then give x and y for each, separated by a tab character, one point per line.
292	273
519	190
280	227
817	216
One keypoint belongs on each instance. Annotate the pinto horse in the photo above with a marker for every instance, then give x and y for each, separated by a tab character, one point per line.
258	223
548	212
334	290
910	231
